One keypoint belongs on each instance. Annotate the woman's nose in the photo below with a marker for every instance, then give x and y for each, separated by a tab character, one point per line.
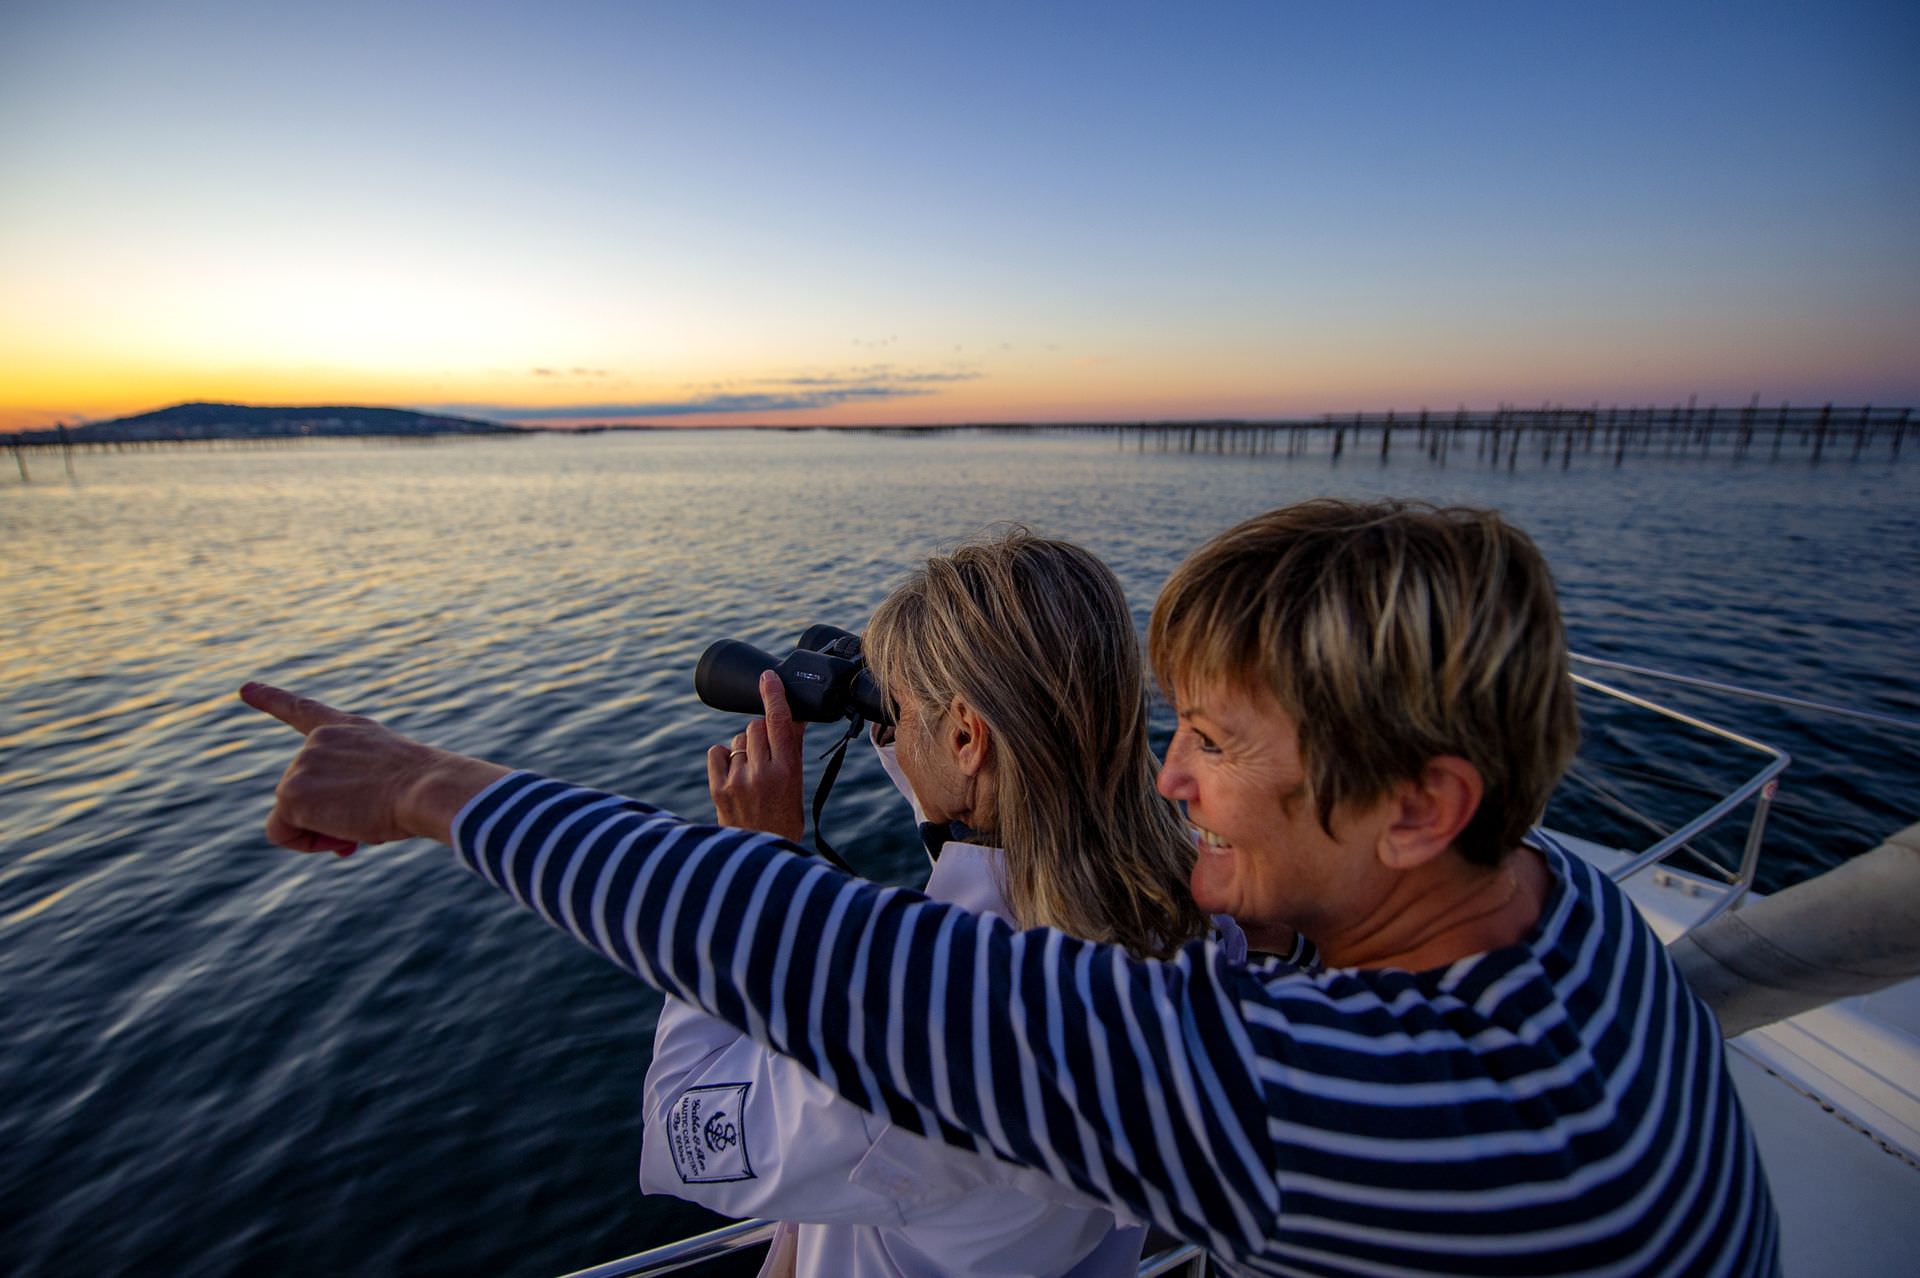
1174	782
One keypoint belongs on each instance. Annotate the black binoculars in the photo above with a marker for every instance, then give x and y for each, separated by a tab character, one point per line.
825	678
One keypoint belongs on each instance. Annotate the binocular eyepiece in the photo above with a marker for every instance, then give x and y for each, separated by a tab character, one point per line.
825	678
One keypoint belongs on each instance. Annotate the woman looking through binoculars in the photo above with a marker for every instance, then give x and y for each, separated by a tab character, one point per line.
1021	744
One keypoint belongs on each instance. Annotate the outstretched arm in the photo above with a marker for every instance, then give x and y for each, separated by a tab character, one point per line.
1133	1081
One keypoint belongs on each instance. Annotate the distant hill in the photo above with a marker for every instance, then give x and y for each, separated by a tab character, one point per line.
247	421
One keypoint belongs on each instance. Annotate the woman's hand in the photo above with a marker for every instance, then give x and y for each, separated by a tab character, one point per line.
355	782
756	782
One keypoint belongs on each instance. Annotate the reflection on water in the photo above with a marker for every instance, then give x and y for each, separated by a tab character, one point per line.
221	1058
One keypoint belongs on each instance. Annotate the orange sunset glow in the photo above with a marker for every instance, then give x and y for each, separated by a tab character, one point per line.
1127	236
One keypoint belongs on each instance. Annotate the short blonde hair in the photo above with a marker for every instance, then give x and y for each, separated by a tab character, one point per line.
1392	633
1036	636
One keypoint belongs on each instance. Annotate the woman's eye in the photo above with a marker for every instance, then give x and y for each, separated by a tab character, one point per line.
1205	742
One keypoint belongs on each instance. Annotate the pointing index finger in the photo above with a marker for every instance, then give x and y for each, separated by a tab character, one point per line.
302	714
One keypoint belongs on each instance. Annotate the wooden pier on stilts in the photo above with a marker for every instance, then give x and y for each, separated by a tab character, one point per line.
1501	436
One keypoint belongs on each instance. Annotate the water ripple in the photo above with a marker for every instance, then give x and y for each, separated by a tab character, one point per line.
231	1060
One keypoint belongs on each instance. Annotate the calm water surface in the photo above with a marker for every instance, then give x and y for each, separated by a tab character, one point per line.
219	1058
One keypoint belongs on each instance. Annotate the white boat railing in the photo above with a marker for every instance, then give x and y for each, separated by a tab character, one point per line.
688	1251
1751	694
1184	1260
1760	787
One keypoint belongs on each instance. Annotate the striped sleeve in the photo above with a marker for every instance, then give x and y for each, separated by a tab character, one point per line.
1134	1081
1558	1106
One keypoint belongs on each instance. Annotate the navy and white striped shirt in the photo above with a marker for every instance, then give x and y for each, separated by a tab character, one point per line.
1557	1106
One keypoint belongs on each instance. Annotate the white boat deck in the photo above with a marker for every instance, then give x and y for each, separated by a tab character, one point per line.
1834	1099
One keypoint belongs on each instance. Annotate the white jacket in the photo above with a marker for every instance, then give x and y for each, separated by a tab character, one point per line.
745	1132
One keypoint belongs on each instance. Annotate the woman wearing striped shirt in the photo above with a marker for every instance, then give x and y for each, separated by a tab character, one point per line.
1492	1069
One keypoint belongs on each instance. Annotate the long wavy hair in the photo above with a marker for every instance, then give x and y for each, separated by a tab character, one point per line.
1036	636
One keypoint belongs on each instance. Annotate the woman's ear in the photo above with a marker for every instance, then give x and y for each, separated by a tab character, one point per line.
967	737
1429	812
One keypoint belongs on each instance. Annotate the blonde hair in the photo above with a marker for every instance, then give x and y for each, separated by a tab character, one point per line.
1035	635
1391	633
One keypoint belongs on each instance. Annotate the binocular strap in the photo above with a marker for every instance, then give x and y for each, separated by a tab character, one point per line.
839	756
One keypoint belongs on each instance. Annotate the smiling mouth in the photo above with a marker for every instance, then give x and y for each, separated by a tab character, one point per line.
1208	839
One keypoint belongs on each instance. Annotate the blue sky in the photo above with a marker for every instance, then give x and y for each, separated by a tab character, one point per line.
709	212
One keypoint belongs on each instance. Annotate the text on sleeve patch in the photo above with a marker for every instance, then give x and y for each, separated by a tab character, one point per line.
707	1132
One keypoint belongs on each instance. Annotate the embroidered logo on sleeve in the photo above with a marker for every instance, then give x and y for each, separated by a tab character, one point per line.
707	1132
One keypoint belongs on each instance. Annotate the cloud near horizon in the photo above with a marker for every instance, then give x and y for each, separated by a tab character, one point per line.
786	394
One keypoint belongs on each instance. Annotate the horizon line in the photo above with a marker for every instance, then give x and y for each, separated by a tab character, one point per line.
532	421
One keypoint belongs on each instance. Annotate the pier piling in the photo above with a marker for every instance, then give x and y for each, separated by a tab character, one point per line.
1683	432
